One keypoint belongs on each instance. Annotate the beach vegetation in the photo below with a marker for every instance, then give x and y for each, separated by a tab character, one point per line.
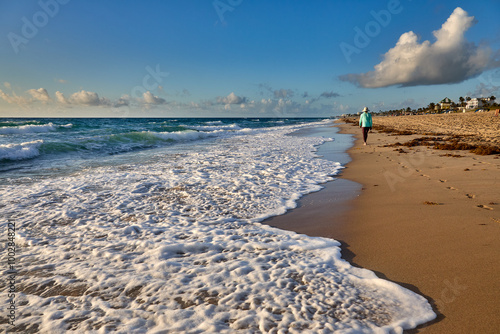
452	143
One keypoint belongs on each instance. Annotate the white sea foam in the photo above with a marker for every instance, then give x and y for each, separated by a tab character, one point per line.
174	246
214	127
21	151
201	133
32	128
185	135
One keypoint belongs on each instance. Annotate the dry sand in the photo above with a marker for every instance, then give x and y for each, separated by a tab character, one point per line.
427	219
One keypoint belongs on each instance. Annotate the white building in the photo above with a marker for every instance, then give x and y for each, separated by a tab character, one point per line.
477	103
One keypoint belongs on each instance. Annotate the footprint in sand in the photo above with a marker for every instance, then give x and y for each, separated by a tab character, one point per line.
484	207
442	181
451	188
470	196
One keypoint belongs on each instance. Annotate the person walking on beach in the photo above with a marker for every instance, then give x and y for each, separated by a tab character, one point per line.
365	123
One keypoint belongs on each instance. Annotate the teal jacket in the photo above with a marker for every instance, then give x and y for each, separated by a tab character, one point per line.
365	120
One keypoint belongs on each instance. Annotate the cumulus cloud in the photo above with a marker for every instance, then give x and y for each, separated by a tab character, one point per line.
123	101
151	99
231	99
87	98
40	94
81	98
450	59
61	98
13	98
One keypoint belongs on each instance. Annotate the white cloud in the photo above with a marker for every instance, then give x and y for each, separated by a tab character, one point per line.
81	98
450	59
231	99
40	94
151	99
60	98
7	85
88	99
123	101
13	99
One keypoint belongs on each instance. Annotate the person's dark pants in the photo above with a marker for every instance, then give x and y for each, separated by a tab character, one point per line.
365	133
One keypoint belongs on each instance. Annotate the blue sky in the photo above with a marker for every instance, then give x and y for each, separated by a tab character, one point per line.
242	58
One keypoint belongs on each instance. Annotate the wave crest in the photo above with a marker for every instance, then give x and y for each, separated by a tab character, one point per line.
27	150
32	128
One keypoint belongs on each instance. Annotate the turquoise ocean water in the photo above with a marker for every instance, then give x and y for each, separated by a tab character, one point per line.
44	147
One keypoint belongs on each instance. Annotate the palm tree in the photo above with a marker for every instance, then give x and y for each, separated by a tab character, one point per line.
462	101
492	99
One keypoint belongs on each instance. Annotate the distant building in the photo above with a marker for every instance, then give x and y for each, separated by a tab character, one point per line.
478	103
445	103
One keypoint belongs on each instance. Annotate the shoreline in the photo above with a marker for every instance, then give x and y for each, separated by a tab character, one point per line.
426	220
334	199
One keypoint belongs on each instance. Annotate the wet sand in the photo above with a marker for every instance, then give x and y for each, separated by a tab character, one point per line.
426	219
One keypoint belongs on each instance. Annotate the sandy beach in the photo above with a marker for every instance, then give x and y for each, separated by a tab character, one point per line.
425	218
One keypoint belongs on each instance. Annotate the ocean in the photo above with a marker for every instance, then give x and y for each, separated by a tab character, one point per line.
154	226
